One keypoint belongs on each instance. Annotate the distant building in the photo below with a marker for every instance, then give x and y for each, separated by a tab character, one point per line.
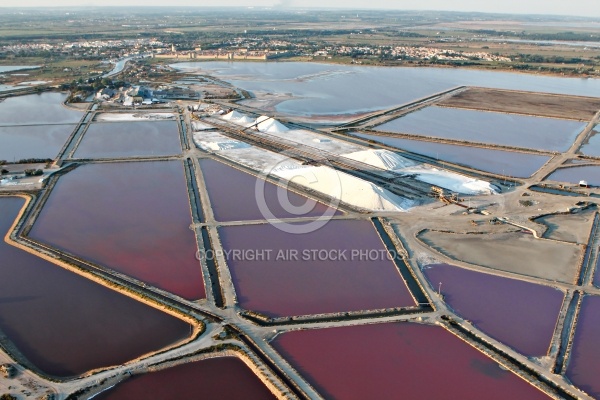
176	93
106	94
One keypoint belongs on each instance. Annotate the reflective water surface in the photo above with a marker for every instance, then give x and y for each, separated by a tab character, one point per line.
66	324
326	89
233	195
589	173
38	141
35	109
130	139
133	217
488	127
520	314
215	378
398	360
284	274
510	163
585	358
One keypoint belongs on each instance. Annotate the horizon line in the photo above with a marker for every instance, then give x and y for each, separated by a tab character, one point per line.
290	8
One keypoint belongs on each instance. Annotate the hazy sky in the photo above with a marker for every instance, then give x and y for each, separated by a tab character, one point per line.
560	7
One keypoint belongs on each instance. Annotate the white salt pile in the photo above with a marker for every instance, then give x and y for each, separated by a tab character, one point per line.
239	118
270	125
390	161
451	181
383	159
347	188
232	116
262	124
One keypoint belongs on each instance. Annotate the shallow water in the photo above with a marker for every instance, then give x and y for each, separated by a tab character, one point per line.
130	139
585	358
6	88
40	141
8	68
488	127
592	147
35	109
119	66
597	274
520	314
215	378
66	324
323	277
133	217
520	165
398	360
591	174
233	195
326	89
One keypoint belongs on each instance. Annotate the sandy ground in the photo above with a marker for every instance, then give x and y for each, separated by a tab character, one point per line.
573	228
540	104
512	252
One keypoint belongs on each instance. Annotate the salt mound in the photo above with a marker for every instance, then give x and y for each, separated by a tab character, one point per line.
347	188
232	116
270	125
383	159
239	118
451	181
246	120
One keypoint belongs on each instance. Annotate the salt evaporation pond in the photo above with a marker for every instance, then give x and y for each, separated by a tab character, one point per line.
37	109
590	173
130	139
300	274
488	127
398	360
132	217
215	378
232	195
9	68
39	141
597	274
520	314
6	88
592	146
66	324
584	363
510	163
326	89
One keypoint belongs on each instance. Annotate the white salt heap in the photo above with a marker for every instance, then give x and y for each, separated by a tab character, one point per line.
383	159
238	118
347	188
270	125
450	180
355	191
390	161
